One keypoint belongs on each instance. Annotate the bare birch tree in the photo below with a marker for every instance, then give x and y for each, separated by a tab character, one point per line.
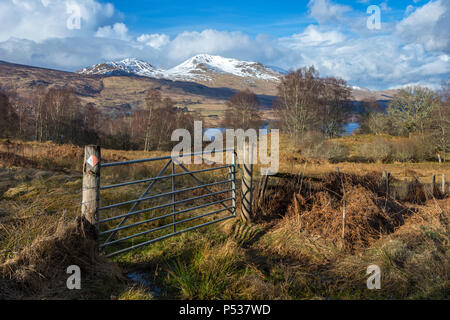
243	111
298	101
153	100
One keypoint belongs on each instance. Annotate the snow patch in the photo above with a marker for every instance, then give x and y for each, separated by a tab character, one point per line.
199	67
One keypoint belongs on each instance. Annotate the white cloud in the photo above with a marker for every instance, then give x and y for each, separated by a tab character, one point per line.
409	9
428	25
116	31
325	11
312	36
231	44
418	50
45	3
430	85
38	20
343	18
155	40
380	61
384	6
72	54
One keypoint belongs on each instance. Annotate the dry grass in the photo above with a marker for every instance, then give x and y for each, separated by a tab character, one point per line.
210	272
413	257
316	209
292	161
42	266
293	250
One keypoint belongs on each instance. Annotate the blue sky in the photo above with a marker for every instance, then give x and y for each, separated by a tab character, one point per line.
275	18
411	47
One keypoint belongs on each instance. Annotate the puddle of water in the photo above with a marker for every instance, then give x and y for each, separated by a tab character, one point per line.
142	278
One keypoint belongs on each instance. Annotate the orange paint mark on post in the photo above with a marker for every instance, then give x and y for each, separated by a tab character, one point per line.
92	161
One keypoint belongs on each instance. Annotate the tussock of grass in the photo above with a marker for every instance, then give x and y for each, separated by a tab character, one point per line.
209	274
316	208
33	207
135	293
242	233
42	266
413	259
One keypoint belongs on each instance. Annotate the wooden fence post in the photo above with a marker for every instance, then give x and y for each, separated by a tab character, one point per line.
433	184
443	184
262	189
91	184
405	186
344	209
388	184
247	184
386	179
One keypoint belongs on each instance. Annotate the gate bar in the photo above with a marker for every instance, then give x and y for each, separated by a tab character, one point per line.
173	197
172	159
166	236
205	186
112	164
162	206
165	216
161	177
168	225
135	205
163	194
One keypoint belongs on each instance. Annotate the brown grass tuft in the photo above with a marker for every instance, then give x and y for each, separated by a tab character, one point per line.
43	265
317	210
416	192
14	160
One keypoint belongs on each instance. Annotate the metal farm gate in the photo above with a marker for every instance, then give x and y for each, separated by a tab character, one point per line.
153	223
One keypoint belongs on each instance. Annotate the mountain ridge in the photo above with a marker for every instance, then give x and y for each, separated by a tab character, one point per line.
122	91
201	67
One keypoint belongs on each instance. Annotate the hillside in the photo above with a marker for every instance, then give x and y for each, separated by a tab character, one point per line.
202	83
216	72
114	93
213	71
292	250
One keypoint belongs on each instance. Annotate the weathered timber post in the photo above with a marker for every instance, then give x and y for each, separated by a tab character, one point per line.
388	182
386	179
262	189
91	184
433	184
405	187
344	209
443	184
247	184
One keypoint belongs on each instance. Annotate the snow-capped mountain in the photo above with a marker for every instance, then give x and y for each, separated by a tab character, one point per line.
124	67
202	67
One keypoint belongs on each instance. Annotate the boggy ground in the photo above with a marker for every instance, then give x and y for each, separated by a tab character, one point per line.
298	246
